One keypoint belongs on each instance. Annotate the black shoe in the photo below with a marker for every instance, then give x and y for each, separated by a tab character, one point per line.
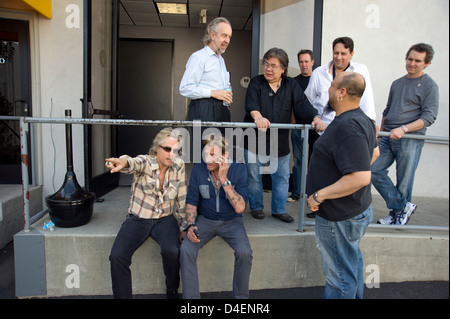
284	217
172	295
311	215
258	214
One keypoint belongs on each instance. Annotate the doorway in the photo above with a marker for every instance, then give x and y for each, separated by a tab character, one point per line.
144	91
15	95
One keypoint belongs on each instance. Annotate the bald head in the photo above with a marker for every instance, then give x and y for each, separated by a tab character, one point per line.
346	91
352	82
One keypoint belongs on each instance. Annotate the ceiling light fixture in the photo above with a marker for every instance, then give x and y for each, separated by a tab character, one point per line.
171	8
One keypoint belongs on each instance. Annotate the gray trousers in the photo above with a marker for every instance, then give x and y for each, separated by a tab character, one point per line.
235	235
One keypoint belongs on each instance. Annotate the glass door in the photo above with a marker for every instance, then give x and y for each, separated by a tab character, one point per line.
15	95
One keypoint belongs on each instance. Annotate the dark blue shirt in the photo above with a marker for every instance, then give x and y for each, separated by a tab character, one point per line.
213	203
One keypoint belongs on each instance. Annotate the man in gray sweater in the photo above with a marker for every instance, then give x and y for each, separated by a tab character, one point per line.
412	106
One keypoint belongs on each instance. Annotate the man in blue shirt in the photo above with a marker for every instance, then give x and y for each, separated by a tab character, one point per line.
206	77
215	201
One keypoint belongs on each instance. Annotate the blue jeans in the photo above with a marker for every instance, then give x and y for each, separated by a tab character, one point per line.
297	150
406	153
342	261
235	235
280	181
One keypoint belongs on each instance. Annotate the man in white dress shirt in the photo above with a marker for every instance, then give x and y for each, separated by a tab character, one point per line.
206	77
321	78
320	82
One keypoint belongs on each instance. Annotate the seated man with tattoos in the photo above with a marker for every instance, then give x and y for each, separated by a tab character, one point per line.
216	198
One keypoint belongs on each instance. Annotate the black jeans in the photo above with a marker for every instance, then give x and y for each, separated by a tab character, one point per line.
132	234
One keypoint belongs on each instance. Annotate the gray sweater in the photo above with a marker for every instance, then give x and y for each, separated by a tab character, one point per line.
410	100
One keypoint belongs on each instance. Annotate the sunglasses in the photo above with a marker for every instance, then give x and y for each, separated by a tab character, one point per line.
170	149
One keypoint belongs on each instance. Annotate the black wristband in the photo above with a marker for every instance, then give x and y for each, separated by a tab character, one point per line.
189	226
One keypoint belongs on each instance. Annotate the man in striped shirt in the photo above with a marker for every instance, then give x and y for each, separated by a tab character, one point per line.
159	183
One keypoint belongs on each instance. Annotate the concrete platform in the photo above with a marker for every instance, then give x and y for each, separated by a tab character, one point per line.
11	209
74	261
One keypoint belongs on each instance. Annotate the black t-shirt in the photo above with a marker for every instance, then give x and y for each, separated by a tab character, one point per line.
346	146
277	108
302	81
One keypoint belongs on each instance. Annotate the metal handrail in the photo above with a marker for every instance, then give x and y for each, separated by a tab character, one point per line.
24	128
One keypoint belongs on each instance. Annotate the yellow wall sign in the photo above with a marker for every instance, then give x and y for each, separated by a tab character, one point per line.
44	7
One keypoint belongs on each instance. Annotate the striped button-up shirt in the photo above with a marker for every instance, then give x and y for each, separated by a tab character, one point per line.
148	200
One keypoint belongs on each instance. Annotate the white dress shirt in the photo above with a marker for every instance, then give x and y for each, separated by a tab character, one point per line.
205	71
320	82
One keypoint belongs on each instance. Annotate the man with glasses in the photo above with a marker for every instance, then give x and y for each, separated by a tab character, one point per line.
273	97
159	188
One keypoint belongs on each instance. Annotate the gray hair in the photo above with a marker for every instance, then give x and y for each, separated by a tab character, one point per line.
161	136
213	26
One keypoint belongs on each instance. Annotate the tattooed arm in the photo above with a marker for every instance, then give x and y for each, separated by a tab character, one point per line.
191	216
235	199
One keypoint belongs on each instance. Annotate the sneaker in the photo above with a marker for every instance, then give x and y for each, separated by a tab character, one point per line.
293	198
388	220
405	215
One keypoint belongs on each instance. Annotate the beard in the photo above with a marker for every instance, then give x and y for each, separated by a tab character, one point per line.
328	108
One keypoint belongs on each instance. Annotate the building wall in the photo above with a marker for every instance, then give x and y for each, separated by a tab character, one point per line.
187	41
57	84
61	87
383	31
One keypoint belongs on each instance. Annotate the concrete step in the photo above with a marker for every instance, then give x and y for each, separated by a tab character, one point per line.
11	209
74	261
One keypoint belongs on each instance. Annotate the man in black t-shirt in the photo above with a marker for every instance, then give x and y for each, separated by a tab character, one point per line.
305	60
338	185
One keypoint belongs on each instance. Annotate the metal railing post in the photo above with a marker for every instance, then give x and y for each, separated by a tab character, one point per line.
24	129
303	196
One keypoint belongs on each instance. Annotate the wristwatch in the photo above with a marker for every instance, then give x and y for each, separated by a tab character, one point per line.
227	183
405	129
315	198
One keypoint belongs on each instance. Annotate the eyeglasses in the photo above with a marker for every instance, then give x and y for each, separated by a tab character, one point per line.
272	66
170	149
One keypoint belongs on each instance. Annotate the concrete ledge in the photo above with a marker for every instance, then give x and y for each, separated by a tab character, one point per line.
11	209
278	262
76	259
